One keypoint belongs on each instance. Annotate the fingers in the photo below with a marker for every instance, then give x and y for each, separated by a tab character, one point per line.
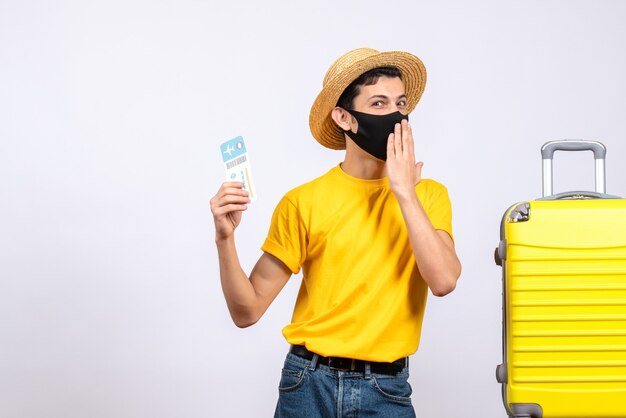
232	187
400	142
223	209
407	137
230	197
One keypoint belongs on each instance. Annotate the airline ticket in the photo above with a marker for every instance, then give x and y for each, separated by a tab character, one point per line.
237	164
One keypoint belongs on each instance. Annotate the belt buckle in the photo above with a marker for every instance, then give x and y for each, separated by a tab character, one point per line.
337	364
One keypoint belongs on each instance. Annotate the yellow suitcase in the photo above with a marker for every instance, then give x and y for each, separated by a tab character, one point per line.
563	260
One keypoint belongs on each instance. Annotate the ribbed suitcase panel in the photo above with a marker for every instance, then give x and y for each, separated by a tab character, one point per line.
566	310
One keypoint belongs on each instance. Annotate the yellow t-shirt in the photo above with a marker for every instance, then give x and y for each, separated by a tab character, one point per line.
362	295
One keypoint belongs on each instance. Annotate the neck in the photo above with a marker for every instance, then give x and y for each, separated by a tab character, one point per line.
360	164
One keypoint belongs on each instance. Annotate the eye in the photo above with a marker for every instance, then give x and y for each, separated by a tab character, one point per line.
402	103
378	103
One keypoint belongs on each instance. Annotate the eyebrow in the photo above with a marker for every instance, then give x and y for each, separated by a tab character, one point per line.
382	96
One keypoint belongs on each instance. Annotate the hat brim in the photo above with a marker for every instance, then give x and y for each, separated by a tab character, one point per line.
322	126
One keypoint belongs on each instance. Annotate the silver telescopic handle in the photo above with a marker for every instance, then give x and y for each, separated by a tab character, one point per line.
599	154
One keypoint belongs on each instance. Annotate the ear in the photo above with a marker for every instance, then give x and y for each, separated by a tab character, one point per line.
342	118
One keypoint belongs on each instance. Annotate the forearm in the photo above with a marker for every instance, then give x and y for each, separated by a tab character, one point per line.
239	292
436	260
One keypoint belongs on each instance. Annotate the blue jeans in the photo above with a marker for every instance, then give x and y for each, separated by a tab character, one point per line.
310	390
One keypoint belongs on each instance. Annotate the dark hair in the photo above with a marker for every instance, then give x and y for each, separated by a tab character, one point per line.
346	100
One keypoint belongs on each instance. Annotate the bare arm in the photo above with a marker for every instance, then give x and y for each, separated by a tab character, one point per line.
247	298
434	250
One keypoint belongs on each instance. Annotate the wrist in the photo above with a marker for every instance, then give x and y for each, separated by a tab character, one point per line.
224	240
405	194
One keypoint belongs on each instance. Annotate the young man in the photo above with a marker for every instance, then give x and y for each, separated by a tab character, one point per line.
371	237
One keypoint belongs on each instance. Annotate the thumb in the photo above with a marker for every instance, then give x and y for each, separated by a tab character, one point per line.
418	172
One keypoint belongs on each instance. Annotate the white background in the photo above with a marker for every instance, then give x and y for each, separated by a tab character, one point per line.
111	114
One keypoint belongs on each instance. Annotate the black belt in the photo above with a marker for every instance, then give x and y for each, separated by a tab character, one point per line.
349	364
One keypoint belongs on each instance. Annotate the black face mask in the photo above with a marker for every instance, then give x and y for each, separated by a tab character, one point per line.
373	131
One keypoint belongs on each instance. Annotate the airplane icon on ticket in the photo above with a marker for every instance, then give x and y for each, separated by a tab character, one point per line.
229	150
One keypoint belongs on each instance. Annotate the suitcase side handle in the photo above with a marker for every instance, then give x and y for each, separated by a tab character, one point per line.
547	155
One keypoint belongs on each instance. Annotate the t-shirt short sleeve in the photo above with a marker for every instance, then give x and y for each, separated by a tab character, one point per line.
439	208
286	239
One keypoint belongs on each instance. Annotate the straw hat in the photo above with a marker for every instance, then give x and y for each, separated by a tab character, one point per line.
347	69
